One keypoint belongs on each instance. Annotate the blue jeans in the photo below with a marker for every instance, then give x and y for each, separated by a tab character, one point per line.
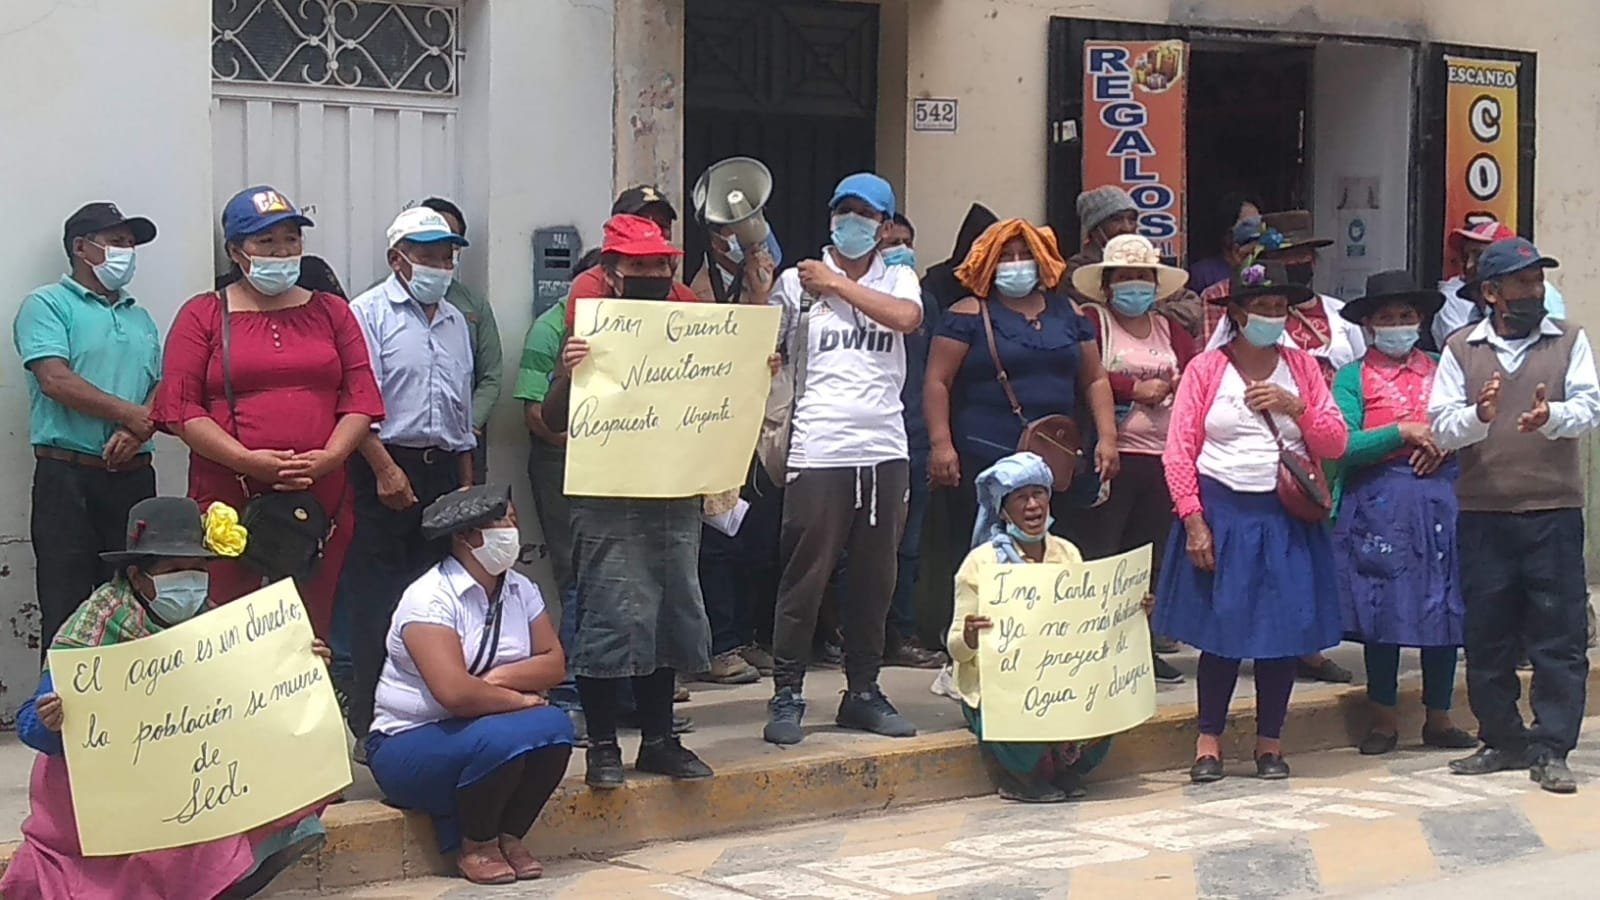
565	695
903	610
342	669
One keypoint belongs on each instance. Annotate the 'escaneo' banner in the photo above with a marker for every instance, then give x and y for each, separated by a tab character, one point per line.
671	399
206	730
1482	168
1135	109
1068	655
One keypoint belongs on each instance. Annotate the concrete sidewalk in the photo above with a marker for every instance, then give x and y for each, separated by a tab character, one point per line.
758	785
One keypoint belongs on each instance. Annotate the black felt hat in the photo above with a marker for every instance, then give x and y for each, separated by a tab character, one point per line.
460	511
1263	279
1394	286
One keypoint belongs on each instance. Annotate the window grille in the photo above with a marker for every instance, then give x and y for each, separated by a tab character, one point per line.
405	47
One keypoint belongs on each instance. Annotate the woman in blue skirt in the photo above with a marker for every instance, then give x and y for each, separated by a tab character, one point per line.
461	729
1395	523
1242	579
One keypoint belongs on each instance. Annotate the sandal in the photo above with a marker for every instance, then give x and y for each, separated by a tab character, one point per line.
483	863
522	862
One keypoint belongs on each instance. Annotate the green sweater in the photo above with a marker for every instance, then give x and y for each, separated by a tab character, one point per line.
1367	447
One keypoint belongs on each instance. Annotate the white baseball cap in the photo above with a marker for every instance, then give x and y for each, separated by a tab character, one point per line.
421	225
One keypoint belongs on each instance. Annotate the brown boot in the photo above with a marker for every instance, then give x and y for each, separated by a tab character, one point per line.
482	862
522	862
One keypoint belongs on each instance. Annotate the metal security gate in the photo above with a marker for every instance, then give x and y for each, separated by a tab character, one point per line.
348	108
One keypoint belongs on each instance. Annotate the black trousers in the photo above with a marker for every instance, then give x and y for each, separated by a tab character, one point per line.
387	553
78	513
739	574
1522	577
826	513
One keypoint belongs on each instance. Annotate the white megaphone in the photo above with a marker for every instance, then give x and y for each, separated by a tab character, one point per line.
731	194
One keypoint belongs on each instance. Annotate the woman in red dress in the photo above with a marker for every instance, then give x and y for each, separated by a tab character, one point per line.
304	395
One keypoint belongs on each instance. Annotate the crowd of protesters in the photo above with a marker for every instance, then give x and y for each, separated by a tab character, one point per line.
1305	471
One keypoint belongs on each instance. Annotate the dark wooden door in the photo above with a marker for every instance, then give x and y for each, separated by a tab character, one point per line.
793	84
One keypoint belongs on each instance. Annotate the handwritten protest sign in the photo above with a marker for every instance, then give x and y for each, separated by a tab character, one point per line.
1068	657
671	398
206	730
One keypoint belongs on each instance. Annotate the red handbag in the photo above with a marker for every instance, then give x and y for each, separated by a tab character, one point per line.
1302	486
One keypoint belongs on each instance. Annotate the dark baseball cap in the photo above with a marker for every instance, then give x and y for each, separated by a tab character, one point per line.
1509	257
97	217
631	201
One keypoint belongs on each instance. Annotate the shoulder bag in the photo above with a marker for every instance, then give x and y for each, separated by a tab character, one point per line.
1055	437
777	426
288	530
1302	486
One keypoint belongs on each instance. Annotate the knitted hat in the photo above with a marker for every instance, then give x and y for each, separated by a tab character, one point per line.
1100	204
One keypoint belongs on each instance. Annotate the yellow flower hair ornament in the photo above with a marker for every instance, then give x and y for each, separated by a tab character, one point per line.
224	535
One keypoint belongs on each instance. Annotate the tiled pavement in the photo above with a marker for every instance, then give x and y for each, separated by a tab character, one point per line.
1343	826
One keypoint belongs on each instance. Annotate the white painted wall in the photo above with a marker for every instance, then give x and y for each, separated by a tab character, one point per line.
107	101
1361	108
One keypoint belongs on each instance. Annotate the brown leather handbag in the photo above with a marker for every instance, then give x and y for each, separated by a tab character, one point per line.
1055	438
1302	486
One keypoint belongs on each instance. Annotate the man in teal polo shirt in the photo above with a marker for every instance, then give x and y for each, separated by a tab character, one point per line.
93	358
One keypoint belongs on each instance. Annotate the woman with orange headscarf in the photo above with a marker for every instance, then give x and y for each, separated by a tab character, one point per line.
1045	349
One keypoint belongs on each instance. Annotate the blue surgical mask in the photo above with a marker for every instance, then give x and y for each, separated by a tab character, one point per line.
273	275
179	595
1022	537
117	270
1133	298
1263	331
900	255
1016	279
733	249
854	236
427	284
1395	340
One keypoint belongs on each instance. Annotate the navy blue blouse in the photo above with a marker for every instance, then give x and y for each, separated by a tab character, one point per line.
1041	362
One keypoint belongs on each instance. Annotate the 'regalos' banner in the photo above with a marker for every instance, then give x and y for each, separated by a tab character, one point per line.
1135	114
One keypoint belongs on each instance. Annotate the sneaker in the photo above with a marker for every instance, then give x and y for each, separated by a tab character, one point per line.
759	658
669	757
872	711
603	767
828	656
730	668
1165	646
908	655
944	684
784	712
1166	673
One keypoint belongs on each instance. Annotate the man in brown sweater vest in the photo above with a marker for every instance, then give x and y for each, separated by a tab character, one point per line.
1513	394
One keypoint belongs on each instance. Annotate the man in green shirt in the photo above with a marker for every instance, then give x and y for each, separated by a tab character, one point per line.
93	358
487	357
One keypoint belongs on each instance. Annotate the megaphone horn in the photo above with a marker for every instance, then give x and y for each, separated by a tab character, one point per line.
732	194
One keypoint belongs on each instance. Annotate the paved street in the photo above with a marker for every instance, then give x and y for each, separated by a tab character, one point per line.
1345	826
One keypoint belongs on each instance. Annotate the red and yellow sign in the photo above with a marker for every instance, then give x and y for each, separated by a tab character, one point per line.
1135	100
1481	159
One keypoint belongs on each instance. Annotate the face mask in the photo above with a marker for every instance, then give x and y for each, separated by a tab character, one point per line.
640	287
500	549
1016	279
854	236
1262	331
734	250
179	595
1523	315
272	275
1395	340
1022	537
117	270
900	255
428	285
1300	274
1133	298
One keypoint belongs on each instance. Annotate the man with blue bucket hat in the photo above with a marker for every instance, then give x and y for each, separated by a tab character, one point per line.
1512	396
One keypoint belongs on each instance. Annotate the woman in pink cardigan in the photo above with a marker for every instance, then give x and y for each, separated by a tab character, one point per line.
1242	579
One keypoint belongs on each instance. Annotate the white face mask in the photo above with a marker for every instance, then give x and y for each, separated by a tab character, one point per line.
501	547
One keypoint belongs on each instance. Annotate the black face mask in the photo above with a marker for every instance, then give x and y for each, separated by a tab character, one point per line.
639	287
1300	274
1521	316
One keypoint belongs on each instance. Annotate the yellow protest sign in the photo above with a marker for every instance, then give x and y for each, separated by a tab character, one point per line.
1068	657
206	730
670	401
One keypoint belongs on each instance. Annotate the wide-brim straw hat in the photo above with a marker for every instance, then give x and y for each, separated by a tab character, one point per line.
1128	251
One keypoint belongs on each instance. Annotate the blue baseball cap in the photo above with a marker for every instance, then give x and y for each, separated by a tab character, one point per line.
868	188
254	210
1509	257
